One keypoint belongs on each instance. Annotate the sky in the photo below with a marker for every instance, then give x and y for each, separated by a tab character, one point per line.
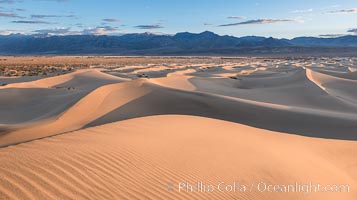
269	18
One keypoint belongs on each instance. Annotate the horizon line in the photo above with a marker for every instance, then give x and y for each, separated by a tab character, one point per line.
167	34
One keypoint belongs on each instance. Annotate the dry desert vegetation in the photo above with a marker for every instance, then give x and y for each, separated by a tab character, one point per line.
156	127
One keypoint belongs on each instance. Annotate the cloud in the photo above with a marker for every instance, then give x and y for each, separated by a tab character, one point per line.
9	32
44	16
207	24
100	30
236	17
260	21
30	22
9	15
80	25
332	35
9	1
302	11
149	26
111	20
51	16
346	11
353	30
71	16
55	31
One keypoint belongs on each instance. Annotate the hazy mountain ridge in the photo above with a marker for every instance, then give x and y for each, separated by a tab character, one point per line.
180	44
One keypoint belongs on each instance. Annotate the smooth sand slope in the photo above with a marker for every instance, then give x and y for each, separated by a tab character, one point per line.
292	103
45	98
136	159
126	132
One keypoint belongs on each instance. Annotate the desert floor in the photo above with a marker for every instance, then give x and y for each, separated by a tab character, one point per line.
178	128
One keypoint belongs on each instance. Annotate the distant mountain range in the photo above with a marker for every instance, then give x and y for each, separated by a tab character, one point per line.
205	43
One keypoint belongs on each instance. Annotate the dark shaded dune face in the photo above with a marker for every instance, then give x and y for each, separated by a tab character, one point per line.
16	102
344	75
6	80
88	81
332	69
293	89
244	67
164	101
48	97
4	130
276	95
340	88
271	80
93	135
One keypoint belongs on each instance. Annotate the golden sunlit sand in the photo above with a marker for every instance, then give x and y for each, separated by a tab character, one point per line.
141	128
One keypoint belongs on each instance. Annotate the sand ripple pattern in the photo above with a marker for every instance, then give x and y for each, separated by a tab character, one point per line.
121	161
126	132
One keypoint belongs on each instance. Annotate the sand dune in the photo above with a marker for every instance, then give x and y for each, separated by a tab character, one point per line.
82	79
138	158
290	89
142	98
125	132
340	88
46	98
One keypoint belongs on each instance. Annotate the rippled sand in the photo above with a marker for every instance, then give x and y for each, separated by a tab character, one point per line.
127	128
